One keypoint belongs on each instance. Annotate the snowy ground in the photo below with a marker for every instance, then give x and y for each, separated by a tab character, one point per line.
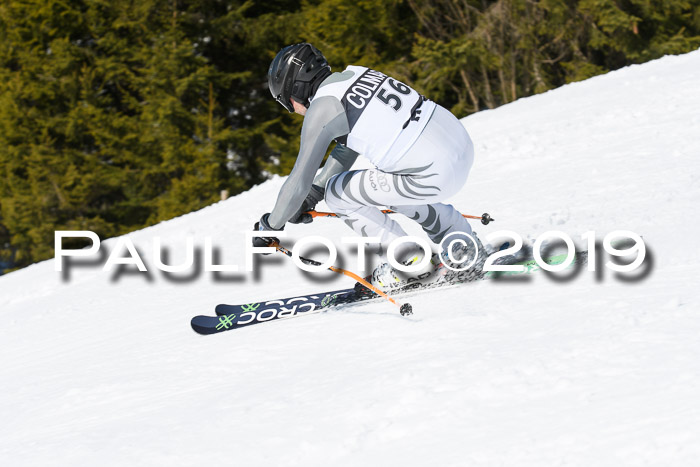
103	369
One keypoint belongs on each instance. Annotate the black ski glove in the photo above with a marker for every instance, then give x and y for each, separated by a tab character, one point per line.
264	225
301	217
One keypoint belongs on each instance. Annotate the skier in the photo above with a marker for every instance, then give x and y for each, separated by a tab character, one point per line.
422	154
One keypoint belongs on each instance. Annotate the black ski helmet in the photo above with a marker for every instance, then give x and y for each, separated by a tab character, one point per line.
296	72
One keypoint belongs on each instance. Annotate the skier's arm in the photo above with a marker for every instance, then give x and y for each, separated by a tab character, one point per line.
324	121
340	160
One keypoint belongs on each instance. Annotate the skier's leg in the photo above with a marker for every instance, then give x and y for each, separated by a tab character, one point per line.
438	220
434	168
357	196
430	217
447	145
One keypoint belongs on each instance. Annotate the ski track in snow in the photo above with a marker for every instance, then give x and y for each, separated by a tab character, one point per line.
104	370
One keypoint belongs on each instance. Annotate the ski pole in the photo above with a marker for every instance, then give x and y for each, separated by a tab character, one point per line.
485	218
404	309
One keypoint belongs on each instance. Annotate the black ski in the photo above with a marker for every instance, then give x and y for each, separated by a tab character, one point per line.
238	316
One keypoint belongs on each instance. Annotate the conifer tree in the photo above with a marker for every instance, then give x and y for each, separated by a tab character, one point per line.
116	115
110	120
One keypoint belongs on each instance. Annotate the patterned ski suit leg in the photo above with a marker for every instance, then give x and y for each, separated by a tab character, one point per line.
435	168
438	220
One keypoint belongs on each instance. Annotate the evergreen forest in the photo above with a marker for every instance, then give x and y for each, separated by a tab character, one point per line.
118	114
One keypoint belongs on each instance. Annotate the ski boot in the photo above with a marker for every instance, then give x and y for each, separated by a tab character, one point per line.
454	262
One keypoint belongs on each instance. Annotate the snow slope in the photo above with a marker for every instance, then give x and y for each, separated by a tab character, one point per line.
102	369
